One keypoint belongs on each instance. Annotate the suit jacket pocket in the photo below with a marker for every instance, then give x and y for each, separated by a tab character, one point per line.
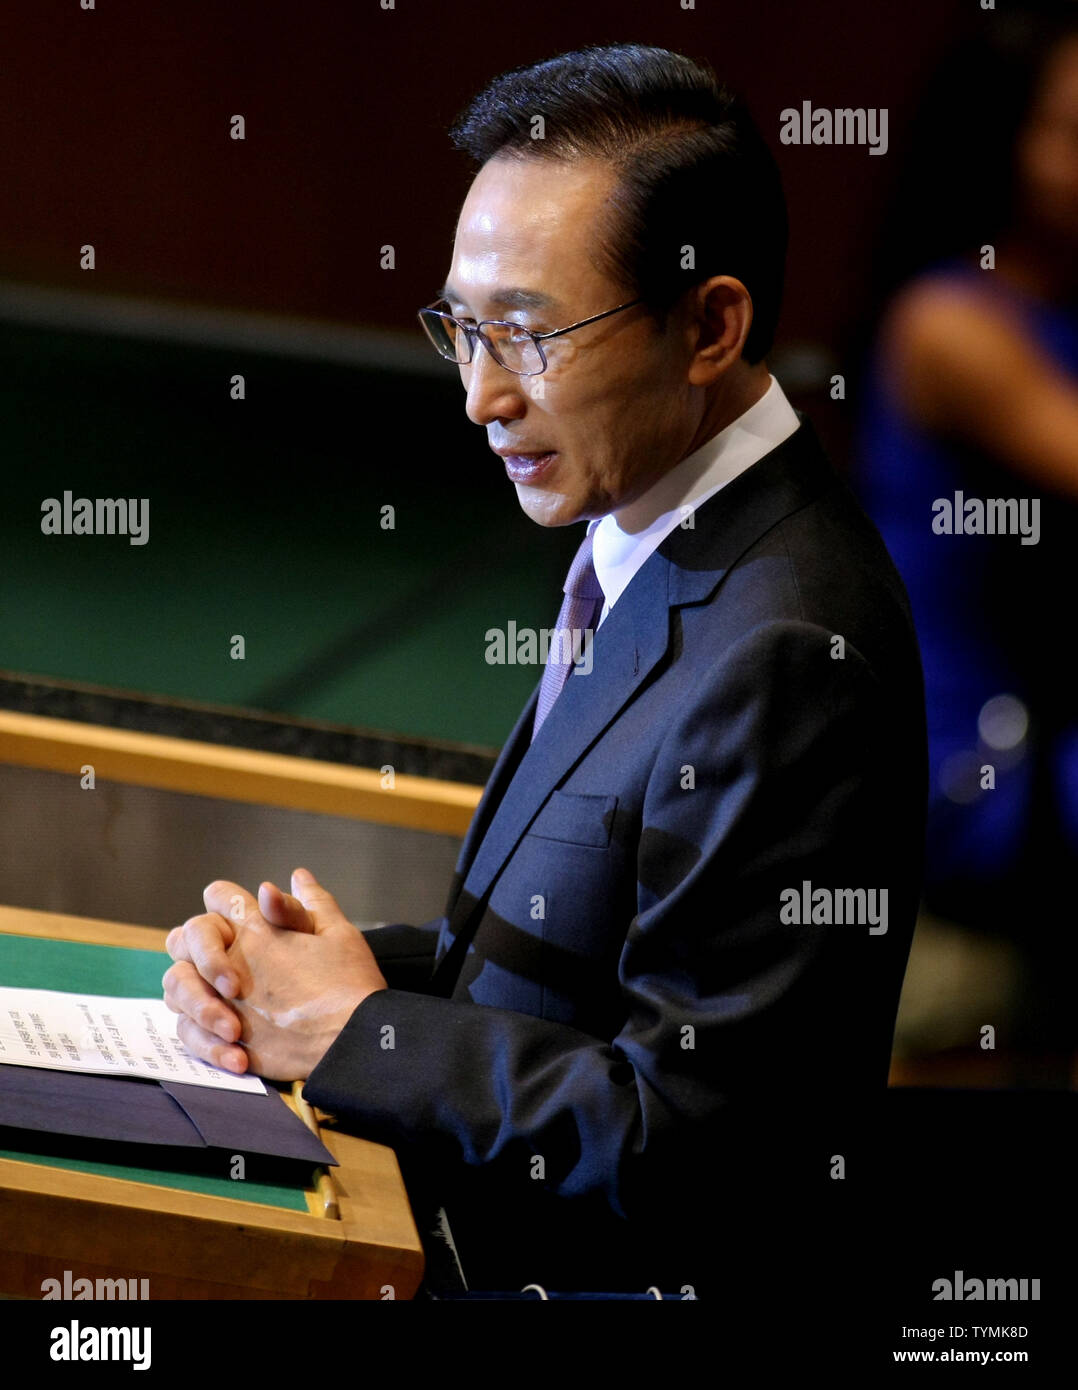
575	819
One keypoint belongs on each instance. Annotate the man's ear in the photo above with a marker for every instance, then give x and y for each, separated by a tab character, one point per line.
720	320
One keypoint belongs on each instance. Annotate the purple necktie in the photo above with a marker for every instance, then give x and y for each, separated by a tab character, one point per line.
582	605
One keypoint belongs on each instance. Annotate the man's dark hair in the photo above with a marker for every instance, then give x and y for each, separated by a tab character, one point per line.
693	169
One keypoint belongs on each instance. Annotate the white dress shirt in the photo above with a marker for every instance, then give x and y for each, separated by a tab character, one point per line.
624	539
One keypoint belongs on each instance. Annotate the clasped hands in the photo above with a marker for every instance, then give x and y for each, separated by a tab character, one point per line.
266	985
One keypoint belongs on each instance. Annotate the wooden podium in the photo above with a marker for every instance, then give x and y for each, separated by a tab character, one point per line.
119	1223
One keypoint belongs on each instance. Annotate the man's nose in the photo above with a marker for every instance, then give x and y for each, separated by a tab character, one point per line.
494	392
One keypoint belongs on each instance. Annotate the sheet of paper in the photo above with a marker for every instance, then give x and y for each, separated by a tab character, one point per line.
98	1033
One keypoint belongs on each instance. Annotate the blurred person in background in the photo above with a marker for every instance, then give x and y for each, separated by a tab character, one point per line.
971	387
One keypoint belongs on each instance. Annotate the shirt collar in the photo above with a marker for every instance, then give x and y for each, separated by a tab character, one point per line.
623	540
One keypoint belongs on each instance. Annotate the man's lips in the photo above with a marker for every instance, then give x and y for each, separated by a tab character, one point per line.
526	467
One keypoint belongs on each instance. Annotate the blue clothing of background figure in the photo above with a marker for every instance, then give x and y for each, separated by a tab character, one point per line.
994	617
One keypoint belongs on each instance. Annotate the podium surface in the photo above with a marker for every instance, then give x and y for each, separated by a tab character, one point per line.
189	1235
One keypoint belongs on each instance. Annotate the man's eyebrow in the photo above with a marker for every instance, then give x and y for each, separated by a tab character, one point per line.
506	298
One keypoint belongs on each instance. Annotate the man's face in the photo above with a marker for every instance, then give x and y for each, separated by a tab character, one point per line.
613	410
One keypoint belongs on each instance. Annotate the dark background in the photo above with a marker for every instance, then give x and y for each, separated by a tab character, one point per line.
261	257
116	132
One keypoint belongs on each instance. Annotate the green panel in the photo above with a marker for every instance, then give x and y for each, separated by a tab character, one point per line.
290	1198
30	962
266	521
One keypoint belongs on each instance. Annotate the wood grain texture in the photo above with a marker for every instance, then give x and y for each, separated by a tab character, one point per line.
236	774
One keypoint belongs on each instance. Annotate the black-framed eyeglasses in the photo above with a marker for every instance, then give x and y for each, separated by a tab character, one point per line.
512	347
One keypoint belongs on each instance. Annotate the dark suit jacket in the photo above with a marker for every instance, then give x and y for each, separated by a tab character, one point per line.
637	1047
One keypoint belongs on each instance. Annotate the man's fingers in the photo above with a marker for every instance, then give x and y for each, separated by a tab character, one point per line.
234	903
283	910
203	941
211	1049
177	943
186	992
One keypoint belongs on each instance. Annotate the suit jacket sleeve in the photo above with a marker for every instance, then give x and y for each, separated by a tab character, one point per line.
405	954
770	774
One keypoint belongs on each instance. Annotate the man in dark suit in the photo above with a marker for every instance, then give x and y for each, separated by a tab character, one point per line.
666	979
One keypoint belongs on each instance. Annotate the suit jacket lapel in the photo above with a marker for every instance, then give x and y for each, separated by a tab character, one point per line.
513	750
686	568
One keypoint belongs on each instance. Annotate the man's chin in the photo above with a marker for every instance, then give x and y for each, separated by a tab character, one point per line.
547	508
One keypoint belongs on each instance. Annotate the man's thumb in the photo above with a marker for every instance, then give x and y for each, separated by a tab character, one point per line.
283	910
315	898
